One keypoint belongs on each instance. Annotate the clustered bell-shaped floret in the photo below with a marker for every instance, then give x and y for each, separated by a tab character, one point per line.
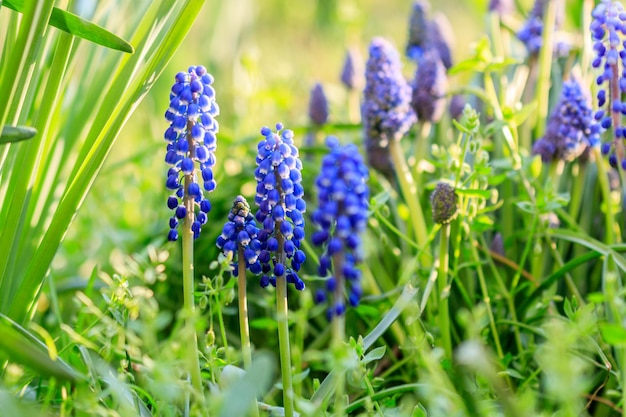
429	87
426	34
342	217
531	33
608	29
352	75
386	109
280	197
191	146
571	127
241	231
318	105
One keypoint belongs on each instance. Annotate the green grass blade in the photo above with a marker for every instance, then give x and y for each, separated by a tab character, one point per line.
132	82
16	134
24	348
77	26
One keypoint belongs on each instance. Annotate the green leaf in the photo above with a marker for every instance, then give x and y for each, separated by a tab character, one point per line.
374	355
16	134
613	334
77	26
24	348
474	192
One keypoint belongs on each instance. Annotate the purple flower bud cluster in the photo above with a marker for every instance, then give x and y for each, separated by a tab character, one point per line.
608	27
279	195
426	34
342	217
386	109
318	105
352	71
241	231
501	7
191	146
571	127
444	201
429	87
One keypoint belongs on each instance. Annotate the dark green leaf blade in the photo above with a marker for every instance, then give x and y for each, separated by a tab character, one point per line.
77	26
24	348
16	134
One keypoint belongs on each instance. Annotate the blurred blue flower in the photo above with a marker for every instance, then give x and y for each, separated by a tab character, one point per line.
279	195
318	105
501	7
386	109
608	27
352	72
571	126
429	87
342	217
425	34
241	232
191	146
532	31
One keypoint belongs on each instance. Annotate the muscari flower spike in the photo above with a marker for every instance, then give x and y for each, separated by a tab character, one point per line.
426	34
608	28
318	105
444	201
279	195
571	127
531	32
241	232
352	71
386	110
191	146
429	87
501	7
342	217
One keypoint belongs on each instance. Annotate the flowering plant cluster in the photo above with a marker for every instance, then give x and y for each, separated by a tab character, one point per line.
571	127
341	215
191	146
608	27
279	195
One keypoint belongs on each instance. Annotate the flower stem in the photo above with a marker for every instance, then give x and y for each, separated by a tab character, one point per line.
188	291
283	341
442	281
339	334
409	191
244	330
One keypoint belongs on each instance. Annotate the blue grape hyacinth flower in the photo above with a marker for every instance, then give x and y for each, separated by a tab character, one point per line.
571	126
240	237
280	197
386	110
342	218
318	105
531	34
608	28
429	87
191	146
352	72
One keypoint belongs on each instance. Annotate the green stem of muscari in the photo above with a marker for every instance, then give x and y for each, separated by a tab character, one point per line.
339	335
444	294
282	313
409	191
188	289
603	178
244	330
422	150
354	106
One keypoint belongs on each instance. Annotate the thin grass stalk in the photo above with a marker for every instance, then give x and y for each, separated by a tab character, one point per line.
542	91
409	191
